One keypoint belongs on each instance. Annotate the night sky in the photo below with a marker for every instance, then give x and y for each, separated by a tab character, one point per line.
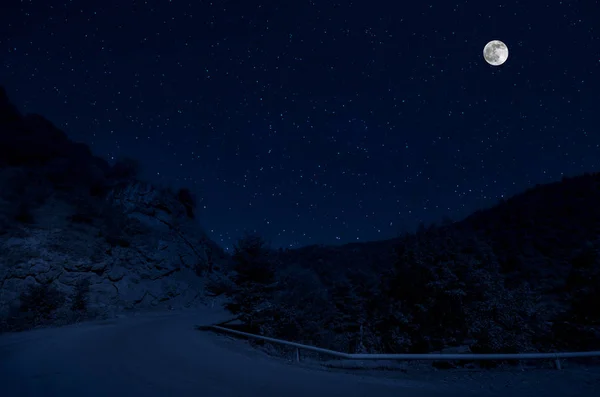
317	122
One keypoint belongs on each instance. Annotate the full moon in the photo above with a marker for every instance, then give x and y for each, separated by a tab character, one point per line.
495	52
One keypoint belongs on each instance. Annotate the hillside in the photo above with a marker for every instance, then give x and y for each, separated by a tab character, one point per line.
538	234
521	276
81	239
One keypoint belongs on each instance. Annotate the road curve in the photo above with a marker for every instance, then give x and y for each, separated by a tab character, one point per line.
163	355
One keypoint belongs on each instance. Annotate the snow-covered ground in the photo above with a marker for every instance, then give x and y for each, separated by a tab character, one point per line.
164	355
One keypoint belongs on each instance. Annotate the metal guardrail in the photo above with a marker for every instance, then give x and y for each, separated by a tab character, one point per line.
429	356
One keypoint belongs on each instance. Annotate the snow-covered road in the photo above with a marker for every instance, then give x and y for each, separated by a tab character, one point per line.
164	355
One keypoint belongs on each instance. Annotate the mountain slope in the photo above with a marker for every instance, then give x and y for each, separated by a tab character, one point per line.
77	233
521	276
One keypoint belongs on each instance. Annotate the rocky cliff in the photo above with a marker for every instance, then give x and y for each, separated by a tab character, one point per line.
68	218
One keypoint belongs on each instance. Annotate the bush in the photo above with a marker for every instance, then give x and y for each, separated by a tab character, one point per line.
79	300
220	285
253	261
124	169
450	289
185	197
37	306
24	214
253	277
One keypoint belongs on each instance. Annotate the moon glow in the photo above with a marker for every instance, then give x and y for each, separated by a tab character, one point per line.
495	52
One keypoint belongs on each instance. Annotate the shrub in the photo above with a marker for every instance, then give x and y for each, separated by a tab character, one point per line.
220	285
37	307
253	260
253	277
124	169
80	298
23	213
450	289
185	197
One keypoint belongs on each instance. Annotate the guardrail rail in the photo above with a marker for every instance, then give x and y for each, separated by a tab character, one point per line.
556	357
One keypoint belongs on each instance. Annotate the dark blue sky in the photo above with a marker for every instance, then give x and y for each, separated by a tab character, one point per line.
318	121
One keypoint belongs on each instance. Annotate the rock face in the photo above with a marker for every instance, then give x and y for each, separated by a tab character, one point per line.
67	216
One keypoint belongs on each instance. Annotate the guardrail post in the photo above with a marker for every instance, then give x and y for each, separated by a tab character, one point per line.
557	363
297	355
